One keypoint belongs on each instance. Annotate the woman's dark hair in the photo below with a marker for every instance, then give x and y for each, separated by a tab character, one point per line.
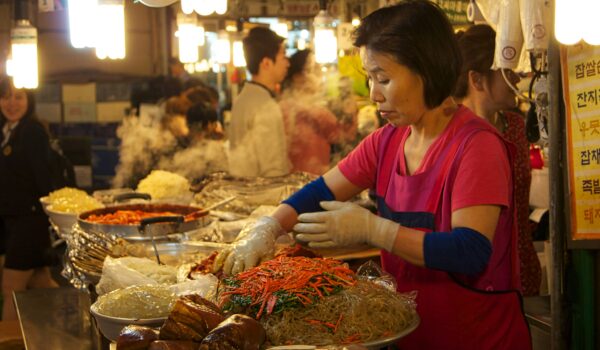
6	85
418	35
297	64
200	115
260	42
477	46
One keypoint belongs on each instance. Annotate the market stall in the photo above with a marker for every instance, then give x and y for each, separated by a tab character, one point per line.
168	229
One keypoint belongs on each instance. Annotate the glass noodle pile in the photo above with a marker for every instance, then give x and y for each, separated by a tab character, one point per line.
316	301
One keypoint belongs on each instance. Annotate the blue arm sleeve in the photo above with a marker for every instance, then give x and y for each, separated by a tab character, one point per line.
463	250
306	199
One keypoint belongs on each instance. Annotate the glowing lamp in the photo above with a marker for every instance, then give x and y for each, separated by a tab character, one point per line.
81	22
24	64
325	40
190	36
110	43
238	54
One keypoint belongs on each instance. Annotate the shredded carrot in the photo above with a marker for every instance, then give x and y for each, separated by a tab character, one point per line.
298	281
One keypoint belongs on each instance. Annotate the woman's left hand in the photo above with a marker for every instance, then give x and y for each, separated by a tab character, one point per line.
343	224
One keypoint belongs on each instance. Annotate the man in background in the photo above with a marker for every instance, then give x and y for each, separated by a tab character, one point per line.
258	145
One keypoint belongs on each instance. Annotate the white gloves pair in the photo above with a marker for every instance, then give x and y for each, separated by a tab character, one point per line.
254	244
343	224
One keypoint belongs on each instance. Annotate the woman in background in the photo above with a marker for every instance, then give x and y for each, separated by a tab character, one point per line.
310	126
486	93
25	177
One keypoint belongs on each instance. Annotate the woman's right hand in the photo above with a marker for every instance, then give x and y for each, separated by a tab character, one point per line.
254	244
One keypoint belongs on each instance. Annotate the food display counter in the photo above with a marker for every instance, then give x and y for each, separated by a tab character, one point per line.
57	318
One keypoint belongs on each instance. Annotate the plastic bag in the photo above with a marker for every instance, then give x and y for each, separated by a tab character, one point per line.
205	286
124	272
371	271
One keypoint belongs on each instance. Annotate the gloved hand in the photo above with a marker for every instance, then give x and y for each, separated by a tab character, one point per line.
255	243
345	224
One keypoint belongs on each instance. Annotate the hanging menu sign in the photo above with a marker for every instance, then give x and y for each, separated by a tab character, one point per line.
581	84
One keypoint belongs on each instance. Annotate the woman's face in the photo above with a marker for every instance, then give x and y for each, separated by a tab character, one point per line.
499	94
397	90
14	105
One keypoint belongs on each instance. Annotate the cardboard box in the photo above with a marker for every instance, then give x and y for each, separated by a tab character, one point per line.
49	92
111	92
50	112
79	112
79	93
111	111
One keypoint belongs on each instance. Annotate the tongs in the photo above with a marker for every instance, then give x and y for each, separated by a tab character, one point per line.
160	219
178	219
205	211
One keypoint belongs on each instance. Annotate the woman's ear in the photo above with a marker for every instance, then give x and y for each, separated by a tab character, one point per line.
476	81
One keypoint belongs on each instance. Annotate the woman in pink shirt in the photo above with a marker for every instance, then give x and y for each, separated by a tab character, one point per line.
443	184
486	93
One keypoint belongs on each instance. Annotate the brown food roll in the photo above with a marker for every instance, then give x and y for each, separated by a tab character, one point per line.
191	318
238	332
135	337
174	345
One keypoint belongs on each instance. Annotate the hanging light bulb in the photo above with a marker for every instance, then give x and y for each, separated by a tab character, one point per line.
281	28
81	22
24	62
204	7
238	54
187	6
591	32
301	44
111	43
202	66
190	36
157	3
325	41
221	51
220	7
567	21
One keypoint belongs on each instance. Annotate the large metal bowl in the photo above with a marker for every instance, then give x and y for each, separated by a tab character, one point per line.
136	232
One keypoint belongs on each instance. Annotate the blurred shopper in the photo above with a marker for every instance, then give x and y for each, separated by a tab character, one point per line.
203	124
485	92
206	152
345	108
159	136
257	142
310	126
25	177
443	183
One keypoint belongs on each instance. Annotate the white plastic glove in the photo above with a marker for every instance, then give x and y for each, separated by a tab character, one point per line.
343	224
255	243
